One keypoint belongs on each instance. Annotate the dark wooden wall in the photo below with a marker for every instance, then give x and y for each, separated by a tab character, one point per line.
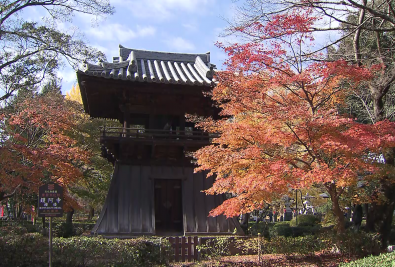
129	207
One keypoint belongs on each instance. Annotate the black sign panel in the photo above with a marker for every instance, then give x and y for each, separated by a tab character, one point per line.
50	200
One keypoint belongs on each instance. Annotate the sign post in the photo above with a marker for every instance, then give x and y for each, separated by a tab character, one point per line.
50	204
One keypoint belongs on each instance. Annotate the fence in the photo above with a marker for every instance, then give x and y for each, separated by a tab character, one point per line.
185	248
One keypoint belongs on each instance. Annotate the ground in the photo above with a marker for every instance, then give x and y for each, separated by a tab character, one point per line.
317	259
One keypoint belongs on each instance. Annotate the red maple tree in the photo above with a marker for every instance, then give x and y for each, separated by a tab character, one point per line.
281	128
38	146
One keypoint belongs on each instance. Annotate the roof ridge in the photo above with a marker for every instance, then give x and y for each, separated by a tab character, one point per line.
154	66
166	56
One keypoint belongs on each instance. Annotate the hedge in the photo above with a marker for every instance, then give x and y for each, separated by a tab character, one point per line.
31	249
383	260
305	220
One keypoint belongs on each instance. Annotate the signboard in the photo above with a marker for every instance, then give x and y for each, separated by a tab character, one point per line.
50	200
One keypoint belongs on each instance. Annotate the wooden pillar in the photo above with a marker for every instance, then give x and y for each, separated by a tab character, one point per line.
182	122
151	121
126	110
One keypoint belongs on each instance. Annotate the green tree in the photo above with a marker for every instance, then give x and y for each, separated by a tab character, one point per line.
32	52
371	102
92	188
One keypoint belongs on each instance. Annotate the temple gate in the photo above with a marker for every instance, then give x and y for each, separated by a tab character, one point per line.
154	190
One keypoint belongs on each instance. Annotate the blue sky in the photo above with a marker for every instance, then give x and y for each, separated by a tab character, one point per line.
190	26
186	26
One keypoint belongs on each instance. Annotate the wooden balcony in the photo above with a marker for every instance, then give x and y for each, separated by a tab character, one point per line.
155	136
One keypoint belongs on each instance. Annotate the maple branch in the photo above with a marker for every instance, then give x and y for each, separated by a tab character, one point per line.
326	99
295	56
274	100
251	143
300	140
3	195
305	162
292	91
340	191
366	106
268	154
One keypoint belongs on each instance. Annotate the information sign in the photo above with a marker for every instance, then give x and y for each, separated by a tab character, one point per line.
50	200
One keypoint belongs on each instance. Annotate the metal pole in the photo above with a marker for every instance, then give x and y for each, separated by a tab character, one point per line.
50	241
296	209
160	249
259	248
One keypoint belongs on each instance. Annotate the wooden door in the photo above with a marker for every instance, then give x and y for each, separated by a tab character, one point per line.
168	205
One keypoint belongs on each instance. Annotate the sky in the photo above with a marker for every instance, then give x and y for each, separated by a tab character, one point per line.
186	26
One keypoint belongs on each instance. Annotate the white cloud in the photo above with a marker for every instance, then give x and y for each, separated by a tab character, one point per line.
106	49
120	33
161	9
67	74
145	31
69	78
178	44
190	26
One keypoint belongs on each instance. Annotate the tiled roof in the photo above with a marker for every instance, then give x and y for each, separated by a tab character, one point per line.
159	67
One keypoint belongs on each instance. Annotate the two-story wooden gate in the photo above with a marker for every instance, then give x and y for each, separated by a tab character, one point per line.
154	190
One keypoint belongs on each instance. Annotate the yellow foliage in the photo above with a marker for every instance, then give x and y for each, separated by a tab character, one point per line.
74	94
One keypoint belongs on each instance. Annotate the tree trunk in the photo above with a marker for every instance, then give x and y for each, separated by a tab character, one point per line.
244	222
378	107
246	218
379	217
69	216
91	213
19	211
339	215
68	231
372	217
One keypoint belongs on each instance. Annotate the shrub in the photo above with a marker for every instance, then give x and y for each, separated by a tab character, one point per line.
248	246
329	219
305	230
262	228
305	245
62	230
214	248
97	251
12	230
281	224
280	229
352	243
32	250
305	220
391	238
284	229
384	260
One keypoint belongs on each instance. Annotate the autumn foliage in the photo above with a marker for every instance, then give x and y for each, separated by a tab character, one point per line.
38	145
281	126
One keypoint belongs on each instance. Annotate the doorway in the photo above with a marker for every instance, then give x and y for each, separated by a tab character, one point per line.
168	206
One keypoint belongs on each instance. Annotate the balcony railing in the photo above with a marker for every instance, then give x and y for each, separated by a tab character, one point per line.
154	134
